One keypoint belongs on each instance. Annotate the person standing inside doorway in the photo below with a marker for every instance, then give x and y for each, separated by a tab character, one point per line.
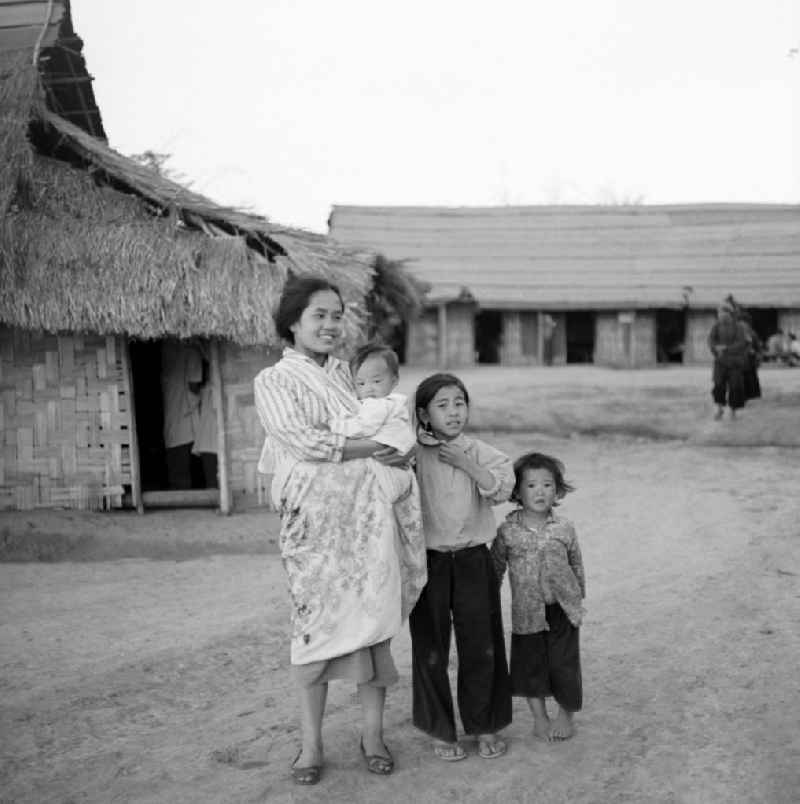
205	437
181	379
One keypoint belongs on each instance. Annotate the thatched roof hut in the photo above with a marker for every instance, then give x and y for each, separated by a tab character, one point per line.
93	241
97	250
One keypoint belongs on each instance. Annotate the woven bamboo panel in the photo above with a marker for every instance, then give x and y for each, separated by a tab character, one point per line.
65	421
244	432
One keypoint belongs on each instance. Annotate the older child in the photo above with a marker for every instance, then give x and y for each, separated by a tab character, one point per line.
460	479
547	586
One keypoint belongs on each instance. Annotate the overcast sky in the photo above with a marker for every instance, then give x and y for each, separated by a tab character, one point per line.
287	108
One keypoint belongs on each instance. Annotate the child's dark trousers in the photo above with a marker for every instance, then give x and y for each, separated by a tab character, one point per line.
549	662
462	594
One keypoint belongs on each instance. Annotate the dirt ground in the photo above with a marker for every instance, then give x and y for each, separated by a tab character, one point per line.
162	676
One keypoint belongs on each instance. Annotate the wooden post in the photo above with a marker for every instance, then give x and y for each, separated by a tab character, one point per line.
222	441
442	335
540	337
136	477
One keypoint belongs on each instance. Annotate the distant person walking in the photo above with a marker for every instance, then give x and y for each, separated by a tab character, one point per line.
728	343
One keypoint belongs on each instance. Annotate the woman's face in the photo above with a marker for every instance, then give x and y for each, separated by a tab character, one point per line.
319	328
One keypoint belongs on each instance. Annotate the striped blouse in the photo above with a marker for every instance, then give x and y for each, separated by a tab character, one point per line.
295	400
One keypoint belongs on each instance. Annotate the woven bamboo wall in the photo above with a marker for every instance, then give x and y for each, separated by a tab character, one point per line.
244	432
65	421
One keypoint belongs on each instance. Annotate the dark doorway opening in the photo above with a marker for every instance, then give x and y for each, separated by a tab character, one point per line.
149	407
670	335
764	321
488	335
580	336
148	394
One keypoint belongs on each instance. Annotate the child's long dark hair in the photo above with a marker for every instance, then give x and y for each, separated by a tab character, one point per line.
538	460
431	386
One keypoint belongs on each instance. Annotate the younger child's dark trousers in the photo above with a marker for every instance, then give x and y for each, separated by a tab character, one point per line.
462	594
549	662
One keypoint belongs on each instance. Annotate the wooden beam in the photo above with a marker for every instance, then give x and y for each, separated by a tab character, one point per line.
540	337
222	441
182	498
136	477
442	333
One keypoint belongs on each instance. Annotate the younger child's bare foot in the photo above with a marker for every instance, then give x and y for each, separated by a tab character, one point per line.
541	728
561	728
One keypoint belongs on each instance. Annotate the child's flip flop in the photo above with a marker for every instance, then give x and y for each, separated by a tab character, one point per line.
376	763
449	752
310	774
491	749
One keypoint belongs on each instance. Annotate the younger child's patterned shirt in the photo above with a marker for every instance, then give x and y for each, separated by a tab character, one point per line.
544	566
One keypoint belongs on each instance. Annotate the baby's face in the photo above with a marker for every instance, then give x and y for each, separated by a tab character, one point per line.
374	379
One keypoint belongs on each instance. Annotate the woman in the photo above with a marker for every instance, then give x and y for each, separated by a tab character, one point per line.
349	556
728	343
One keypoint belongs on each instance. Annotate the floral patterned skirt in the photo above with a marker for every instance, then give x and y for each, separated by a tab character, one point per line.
343	548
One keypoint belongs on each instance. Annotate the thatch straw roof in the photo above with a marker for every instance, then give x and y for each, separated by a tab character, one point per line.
90	240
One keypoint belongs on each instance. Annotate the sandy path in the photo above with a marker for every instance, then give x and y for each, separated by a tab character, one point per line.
166	681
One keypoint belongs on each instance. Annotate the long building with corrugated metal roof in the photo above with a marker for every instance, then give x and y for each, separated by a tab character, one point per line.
617	285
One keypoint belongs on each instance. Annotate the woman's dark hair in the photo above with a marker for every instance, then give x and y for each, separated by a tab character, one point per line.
431	386
294	299
388	355
538	460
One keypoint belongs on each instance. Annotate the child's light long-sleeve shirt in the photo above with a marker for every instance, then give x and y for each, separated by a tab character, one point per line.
544	566
456	512
385	420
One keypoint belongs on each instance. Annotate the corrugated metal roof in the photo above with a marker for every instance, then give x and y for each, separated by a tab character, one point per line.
590	256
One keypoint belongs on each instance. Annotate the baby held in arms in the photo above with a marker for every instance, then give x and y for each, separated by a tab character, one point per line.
383	415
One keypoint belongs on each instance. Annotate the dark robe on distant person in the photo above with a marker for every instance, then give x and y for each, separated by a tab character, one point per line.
752	386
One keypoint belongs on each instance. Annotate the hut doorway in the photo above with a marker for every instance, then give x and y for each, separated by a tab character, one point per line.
670	335
173	467
488	336
580	336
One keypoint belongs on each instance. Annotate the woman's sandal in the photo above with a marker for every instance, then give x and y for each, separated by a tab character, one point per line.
449	752
491	749
376	763
310	774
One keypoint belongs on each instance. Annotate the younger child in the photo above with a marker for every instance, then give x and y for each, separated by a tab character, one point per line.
547	586
460	479
383	416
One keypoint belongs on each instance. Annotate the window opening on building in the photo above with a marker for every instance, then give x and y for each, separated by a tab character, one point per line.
580	336
488	336
670	335
764	321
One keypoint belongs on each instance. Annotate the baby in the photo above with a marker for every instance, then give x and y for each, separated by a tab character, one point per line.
384	414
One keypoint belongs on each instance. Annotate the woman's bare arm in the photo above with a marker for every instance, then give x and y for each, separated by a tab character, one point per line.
360	448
